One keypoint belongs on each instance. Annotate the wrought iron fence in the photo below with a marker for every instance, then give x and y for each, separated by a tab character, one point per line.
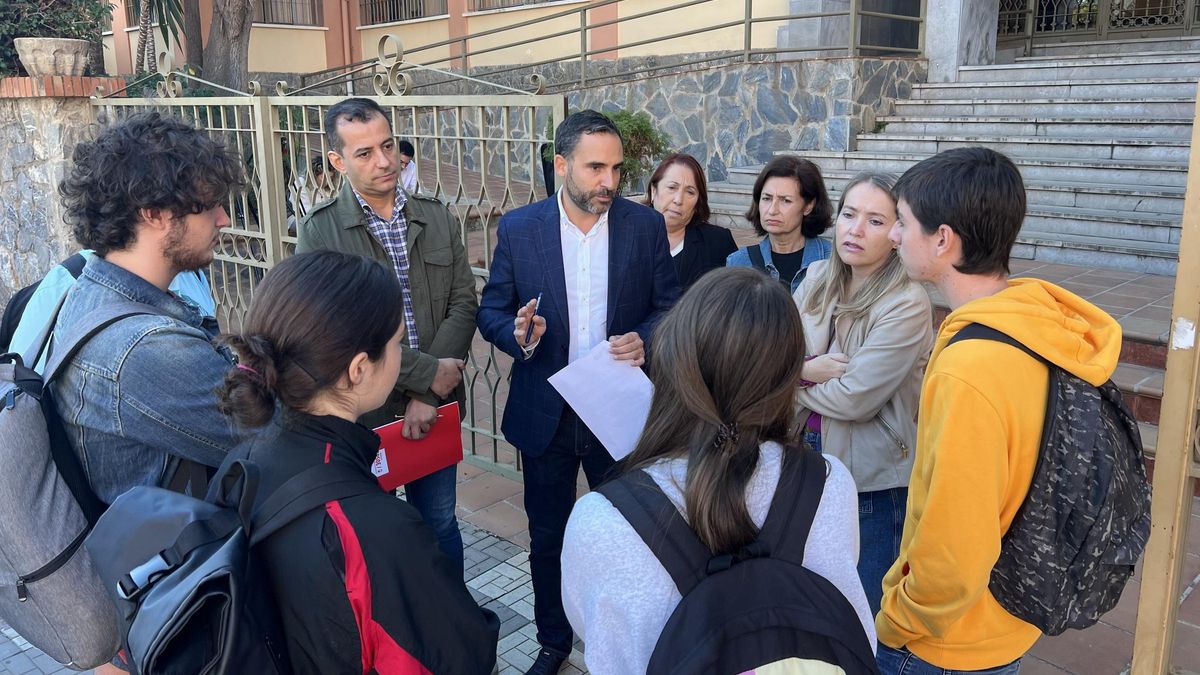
372	12
1037	22
478	154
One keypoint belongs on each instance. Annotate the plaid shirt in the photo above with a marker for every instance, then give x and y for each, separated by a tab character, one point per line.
393	235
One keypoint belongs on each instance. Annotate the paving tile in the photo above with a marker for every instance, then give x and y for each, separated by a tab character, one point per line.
18	664
518	659
1099	650
1031	665
485	490
503	519
1186	655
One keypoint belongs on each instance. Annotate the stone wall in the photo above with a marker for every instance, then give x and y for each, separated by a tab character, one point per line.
37	137
741	115
730	114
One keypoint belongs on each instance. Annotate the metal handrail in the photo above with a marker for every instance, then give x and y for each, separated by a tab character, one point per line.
366	69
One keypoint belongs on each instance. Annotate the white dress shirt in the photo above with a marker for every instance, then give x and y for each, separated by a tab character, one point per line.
408	177
585	270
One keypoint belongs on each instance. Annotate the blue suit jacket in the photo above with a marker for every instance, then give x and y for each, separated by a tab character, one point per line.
642	286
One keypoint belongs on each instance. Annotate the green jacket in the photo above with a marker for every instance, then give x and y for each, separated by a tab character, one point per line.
440	282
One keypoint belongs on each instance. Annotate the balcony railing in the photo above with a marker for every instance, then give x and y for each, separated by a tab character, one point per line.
290	12
864	28
372	12
484	5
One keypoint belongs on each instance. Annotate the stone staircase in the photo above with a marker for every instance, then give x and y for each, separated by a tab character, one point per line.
1101	133
1102	140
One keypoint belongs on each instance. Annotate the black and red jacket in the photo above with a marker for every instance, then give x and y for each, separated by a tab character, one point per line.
361	584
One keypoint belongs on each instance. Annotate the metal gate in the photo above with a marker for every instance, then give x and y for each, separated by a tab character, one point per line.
1037	22
481	155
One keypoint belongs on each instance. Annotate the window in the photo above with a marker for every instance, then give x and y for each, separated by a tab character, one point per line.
386	11
290	12
481	5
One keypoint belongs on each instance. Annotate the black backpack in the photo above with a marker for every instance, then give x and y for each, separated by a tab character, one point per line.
758	607
191	595
1074	542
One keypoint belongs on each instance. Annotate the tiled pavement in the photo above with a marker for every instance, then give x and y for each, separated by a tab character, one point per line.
495	533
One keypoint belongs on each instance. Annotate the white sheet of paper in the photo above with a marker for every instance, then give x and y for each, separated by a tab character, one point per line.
611	397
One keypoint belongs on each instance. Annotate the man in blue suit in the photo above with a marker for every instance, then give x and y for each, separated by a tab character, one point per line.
602	267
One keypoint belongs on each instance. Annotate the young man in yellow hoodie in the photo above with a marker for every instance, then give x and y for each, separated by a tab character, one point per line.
981	413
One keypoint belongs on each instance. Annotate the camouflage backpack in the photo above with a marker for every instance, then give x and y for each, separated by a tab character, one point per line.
1072	545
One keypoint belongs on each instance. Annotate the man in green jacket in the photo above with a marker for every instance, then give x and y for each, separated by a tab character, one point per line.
418	238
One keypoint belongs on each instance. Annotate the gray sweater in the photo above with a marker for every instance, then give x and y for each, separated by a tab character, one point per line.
618	597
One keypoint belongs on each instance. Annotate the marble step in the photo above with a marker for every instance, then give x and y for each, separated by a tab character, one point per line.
1114	47
1087	67
1034	169
1049	127
1093	108
1162	87
1031	146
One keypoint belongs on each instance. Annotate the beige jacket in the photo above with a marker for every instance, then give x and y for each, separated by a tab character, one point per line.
868	415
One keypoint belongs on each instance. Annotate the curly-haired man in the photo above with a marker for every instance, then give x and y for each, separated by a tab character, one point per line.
147	196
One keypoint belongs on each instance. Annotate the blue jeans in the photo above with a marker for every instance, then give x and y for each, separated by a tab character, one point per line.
880	526
434	497
549	497
903	662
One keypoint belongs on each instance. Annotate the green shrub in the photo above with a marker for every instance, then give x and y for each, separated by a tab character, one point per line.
81	19
644	145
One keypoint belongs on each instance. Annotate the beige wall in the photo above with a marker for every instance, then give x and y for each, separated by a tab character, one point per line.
110	54
158	46
411	34
286	50
696	18
558	47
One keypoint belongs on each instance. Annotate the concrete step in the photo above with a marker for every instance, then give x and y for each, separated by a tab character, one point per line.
1142	388
1122	67
1103	197
1113	47
1094	108
1030	146
1042	169
1067	249
1161	87
1049	127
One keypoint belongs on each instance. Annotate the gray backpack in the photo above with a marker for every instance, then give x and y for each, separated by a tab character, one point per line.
1074	542
49	591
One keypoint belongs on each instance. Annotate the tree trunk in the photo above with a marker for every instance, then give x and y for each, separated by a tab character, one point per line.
192	34
227	55
145	51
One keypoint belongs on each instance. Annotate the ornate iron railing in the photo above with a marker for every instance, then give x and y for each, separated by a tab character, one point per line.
1037	22
478	154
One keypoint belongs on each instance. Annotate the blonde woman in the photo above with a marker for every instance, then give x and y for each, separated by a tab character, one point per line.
868	331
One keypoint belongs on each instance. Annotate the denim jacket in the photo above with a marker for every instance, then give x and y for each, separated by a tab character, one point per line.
814	249
140	395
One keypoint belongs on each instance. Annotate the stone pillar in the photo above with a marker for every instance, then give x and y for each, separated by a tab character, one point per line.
959	33
41	120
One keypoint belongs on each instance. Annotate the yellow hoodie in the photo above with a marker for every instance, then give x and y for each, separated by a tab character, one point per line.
978	436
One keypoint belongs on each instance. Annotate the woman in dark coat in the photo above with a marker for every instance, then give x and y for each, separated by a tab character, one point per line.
678	191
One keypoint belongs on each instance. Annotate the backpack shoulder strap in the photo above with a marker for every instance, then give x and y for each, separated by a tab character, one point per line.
756	257
658	523
794	507
304	492
75	264
978	331
95	322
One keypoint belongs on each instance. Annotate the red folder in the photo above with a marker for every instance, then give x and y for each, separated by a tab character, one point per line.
402	461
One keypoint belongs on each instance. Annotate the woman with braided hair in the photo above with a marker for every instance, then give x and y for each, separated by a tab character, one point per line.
725	371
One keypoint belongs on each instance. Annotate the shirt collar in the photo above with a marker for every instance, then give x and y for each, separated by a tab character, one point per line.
401	199
565	221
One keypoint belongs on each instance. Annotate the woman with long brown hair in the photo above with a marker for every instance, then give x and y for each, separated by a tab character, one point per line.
714	443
